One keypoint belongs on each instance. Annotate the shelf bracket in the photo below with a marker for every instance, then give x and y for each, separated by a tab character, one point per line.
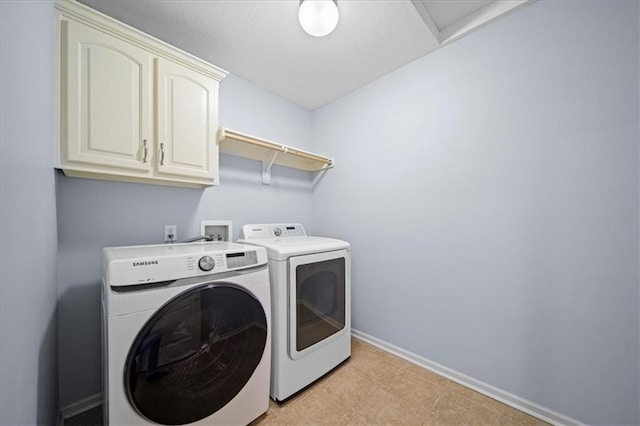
321	173
266	169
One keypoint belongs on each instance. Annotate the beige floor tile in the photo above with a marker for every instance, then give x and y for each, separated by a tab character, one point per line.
377	388
391	357
358	345
384	408
267	419
513	416
454	409
420	393
321	407
427	374
376	366
282	410
272	404
348	385
388	357
356	419
477	397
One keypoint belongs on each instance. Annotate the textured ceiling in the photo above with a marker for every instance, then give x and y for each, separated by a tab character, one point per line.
261	40
446	12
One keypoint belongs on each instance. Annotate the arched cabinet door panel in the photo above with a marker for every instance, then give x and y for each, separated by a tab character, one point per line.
187	122
108	103
195	354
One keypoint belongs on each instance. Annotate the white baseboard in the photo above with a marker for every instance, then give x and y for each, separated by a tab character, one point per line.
80	406
510	399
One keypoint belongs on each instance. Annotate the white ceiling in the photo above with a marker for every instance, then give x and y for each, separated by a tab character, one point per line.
261	40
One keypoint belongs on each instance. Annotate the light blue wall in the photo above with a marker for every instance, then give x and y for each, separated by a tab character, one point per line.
28	323
490	193
93	214
502	169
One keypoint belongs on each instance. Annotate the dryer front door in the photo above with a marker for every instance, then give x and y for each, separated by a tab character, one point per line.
195	354
319	299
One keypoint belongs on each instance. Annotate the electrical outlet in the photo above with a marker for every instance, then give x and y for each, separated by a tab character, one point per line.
170	233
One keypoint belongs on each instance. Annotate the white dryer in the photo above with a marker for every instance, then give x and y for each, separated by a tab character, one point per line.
186	334
311	303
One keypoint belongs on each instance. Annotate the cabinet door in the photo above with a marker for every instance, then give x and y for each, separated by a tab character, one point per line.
108	94
187	122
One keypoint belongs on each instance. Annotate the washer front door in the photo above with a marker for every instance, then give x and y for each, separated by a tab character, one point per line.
195	354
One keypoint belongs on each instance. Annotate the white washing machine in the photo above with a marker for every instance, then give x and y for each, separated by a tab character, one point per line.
311	304
186	334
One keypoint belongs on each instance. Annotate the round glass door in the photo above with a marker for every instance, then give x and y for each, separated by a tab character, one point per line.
195	354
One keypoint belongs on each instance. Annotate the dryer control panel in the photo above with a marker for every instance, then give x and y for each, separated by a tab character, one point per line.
272	230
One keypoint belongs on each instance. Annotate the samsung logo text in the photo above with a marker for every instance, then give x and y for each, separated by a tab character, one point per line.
145	263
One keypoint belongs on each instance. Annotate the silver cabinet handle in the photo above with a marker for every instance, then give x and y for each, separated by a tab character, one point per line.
161	154
144	145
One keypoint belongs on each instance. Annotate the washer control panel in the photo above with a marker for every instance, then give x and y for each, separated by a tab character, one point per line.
221	262
273	230
240	260
147	264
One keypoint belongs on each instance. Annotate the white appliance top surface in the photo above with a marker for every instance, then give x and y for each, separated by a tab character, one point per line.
292	241
169	250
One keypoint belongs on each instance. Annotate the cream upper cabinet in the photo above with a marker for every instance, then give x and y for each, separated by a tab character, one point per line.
109	100
187	122
132	108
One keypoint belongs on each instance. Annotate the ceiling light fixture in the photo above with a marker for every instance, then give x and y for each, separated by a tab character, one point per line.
318	17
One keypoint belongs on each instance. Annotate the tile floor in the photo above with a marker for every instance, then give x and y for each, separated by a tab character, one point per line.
375	387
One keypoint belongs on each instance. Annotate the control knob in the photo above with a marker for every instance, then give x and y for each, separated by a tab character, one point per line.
206	263
277	232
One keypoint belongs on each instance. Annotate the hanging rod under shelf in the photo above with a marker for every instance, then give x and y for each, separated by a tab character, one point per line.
244	145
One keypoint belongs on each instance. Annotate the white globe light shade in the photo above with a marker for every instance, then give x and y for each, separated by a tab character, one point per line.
318	17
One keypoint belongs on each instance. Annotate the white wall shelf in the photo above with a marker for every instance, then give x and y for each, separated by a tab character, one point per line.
270	153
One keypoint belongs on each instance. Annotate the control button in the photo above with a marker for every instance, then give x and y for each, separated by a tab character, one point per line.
206	263
277	232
